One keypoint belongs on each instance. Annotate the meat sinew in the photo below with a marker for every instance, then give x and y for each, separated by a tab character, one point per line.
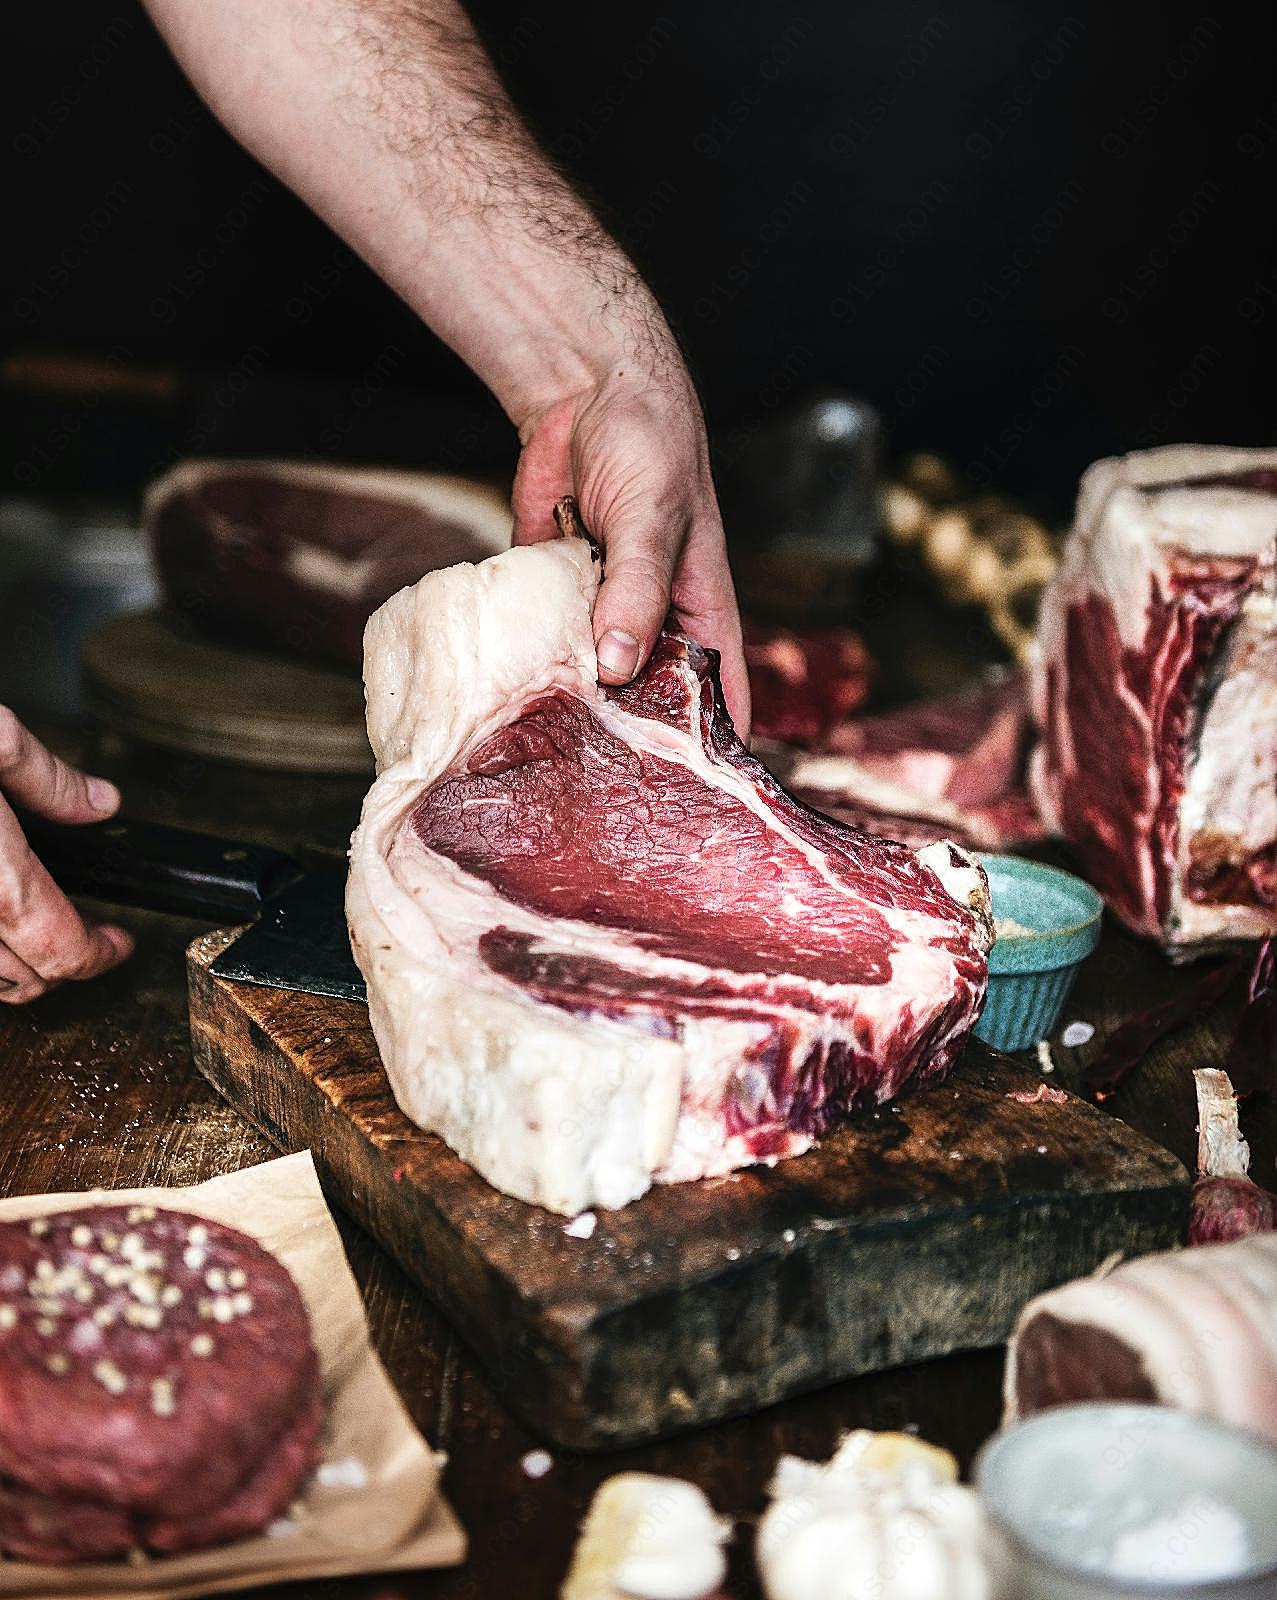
1155	692
603	946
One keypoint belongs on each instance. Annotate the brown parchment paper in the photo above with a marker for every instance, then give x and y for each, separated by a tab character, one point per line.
375	1504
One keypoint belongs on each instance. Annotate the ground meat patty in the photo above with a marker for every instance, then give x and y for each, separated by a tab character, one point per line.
158	1384
41	1527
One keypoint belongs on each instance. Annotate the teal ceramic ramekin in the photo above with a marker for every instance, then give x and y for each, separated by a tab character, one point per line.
1030	974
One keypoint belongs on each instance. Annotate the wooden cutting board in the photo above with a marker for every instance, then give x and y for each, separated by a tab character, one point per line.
152	677
917	1230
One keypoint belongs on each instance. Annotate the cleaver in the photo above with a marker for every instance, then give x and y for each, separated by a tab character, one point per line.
297	938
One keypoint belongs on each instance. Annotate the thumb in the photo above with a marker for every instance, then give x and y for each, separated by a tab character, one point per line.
635	597
34	777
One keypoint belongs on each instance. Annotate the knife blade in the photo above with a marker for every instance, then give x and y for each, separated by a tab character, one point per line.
299	942
298	937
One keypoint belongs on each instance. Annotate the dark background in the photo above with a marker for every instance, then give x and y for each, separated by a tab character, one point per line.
1031	236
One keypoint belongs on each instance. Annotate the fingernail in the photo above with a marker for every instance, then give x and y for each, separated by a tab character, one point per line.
103	795
618	654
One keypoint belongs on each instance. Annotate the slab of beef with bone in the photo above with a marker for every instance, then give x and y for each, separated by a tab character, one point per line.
603	946
1155	693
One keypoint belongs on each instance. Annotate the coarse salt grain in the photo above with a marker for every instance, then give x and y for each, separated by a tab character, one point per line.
57	1364
537	1463
193	1257
163	1400
1045	1059
198	1234
81	1236
202	1344
241	1304
581	1227
237	1278
38	1227
46	1328
170	1295
110	1377
1077	1033
8	1317
215	1278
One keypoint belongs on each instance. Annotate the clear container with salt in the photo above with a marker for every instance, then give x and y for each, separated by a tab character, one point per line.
1121	1501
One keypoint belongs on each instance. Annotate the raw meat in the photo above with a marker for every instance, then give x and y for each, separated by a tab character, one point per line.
803	684
1195	1329
603	946
1154	683
298	555
953	765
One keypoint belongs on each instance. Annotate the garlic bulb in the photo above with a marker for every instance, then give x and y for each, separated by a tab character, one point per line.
885	1517
648	1538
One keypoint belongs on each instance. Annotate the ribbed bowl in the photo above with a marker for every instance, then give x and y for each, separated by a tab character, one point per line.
1030	974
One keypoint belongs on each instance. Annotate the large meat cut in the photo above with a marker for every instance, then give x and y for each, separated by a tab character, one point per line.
1155	692
603	946
299	554
952	765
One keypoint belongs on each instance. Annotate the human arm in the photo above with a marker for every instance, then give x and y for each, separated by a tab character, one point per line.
388	119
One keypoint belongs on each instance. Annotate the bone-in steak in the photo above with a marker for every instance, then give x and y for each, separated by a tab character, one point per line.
603	945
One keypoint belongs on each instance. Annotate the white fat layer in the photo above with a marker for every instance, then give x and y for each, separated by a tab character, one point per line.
1203	1323
317	568
845	775
567	1111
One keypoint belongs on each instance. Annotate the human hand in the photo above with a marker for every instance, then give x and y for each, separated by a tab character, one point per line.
43	939
632	450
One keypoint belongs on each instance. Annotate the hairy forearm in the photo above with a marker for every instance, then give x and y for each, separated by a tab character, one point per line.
387	118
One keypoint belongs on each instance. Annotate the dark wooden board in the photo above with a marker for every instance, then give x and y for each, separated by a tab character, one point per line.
150	676
916	1231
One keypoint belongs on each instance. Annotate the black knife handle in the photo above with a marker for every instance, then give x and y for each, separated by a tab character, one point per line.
166	869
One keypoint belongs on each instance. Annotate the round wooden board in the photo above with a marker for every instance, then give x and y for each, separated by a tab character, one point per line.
150	677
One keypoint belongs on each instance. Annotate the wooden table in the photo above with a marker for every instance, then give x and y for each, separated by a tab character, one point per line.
100	1090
